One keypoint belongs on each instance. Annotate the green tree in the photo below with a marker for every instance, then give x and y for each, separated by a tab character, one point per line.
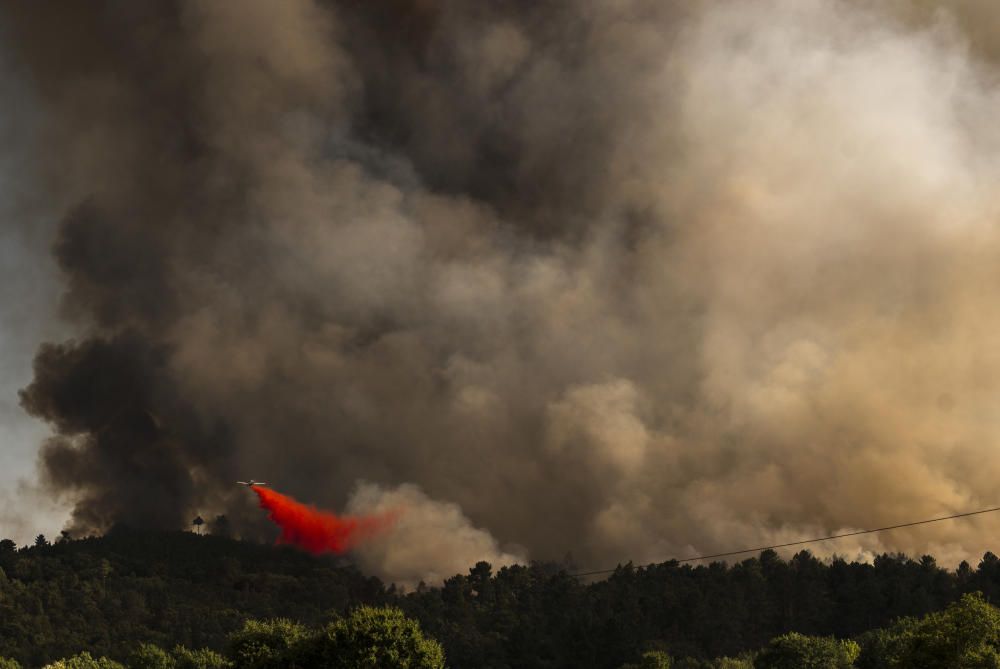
199	659
742	662
85	661
265	644
150	656
885	648
8	554
375	638
683	663
6	663
964	636
798	651
654	659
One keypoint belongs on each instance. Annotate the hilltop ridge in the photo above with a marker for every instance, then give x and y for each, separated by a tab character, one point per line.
106	594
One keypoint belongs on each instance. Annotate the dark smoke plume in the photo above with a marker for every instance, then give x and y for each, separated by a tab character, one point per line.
111	449
630	279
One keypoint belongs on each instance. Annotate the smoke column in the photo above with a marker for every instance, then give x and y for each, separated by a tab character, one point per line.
319	531
628	279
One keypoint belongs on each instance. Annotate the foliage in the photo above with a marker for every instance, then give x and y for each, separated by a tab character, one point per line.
743	662
149	656
798	651
203	658
373	638
107	595
886	648
6	663
85	661
265	644
965	636
653	659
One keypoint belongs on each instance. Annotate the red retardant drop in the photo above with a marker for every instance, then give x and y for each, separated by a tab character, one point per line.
318	531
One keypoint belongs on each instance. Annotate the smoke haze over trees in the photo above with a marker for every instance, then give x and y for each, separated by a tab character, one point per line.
629	279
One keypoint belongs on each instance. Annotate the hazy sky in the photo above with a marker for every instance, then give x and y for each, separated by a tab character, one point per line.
628	279
29	293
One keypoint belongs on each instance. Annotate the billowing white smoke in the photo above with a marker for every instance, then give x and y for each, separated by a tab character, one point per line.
429	542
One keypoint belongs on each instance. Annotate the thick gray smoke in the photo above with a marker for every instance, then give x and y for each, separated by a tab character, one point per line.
627	279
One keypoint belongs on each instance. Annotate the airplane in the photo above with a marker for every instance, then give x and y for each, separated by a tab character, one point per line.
251	483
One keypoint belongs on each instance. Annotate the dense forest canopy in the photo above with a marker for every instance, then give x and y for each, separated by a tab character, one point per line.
106	595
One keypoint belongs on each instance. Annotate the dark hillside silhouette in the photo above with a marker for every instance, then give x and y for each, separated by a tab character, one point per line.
107	594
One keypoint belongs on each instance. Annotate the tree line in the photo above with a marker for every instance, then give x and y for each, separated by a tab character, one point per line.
964	636
177	591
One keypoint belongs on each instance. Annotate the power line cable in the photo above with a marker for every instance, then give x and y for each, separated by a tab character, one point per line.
809	541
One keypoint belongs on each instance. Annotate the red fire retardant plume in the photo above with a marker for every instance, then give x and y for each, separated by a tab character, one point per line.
318	531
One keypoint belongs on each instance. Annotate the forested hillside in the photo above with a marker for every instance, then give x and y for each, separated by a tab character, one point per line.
106	595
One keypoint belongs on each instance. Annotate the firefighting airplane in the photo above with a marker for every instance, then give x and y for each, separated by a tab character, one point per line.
251	483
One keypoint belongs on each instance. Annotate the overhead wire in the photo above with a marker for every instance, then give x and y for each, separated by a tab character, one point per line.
806	541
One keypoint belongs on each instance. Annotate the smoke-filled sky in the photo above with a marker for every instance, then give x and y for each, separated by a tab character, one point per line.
626	279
